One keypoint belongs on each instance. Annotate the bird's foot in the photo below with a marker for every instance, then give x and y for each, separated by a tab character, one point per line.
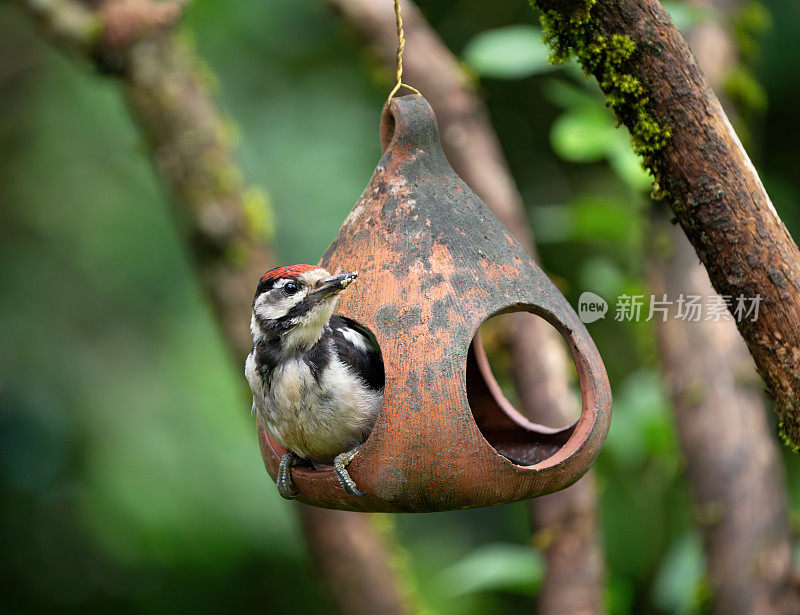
284	477
340	469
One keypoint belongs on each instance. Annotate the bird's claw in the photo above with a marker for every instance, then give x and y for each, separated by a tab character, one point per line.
286	487
283	480
340	469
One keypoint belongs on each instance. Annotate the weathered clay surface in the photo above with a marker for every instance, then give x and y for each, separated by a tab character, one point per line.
433	264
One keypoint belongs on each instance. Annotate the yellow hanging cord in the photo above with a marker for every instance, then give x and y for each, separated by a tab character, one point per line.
401	43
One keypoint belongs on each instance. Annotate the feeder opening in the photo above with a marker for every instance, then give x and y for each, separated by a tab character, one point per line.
502	382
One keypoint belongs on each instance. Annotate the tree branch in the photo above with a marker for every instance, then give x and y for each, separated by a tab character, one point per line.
69	24
342	551
567	521
720	414
224	220
654	86
733	464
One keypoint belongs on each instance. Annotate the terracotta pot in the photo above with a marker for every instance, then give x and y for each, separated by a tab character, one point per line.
434	263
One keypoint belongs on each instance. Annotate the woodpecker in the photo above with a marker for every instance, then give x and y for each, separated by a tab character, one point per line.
317	379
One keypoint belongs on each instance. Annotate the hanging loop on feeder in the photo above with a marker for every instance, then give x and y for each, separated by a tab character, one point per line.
434	263
401	45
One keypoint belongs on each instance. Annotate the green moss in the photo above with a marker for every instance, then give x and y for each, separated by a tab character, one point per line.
258	215
789	437
200	71
574	34
93	30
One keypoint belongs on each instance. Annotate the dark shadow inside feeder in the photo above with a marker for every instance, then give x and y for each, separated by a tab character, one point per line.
519	409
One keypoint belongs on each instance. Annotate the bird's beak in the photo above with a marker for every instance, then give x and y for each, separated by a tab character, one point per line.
334	284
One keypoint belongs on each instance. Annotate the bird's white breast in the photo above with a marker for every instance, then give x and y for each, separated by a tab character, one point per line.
316	420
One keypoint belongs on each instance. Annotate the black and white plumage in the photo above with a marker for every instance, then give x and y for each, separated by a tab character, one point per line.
317	379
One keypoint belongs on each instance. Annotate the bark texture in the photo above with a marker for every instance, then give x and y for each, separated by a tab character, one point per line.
567	522
733	464
701	169
222	219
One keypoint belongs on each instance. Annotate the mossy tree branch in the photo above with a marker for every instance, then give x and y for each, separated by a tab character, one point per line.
654	86
226	223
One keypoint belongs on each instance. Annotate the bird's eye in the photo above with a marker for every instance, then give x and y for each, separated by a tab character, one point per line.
290	288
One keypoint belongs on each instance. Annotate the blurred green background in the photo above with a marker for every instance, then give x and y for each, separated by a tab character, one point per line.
129	469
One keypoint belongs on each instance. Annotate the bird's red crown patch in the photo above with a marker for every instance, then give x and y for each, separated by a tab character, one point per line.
291	271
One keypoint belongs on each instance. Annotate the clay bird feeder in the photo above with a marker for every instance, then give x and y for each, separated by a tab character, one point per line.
434	263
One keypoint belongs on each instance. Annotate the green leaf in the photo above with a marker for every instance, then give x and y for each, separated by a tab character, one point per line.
682	14
583	134
568	95
512	52
586	132
626	164
596	219
498	566
642	425
679	580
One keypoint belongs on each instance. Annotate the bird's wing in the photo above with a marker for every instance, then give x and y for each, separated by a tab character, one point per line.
358	350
